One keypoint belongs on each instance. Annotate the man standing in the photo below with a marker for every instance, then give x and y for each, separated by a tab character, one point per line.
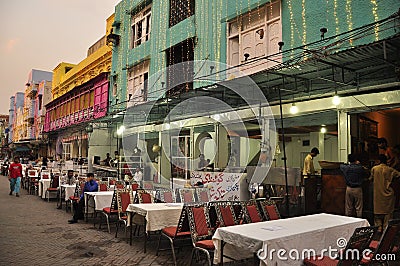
15	176
354	175
384	197
138	177
90	186
308	168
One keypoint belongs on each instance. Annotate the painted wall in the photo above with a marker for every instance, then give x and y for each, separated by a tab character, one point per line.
301	23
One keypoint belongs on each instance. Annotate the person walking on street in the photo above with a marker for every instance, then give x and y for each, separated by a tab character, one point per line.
384	197
354	175
15	176
90	186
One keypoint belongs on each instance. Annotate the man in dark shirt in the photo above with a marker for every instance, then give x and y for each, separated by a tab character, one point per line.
90	186
354	175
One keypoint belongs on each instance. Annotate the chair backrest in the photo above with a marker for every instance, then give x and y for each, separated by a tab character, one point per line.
225	213
134	186
187	195
183	223
270	210
55	182
119	184
251	212
103	185
166	196
32	173
199	222
124	198
144	196
389	241
203	194
353	253
45	175
148	185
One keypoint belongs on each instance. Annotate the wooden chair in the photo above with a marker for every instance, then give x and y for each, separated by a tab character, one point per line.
351	255
251	213
176	233
54	187
200	230
269	210
187	195
203	194
124	198
389	244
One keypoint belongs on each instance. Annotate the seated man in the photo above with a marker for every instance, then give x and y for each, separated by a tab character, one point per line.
90	186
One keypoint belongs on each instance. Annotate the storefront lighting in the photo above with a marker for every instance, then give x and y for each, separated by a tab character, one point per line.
336	100
293	109
120	130
323	129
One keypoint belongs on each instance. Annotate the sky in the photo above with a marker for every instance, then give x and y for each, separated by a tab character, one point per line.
40	34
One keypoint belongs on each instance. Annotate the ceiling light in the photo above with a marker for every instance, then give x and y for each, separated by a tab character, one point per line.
323	129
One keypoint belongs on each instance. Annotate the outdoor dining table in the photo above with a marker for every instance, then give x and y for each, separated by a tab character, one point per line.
156	216
65	192
96	201
285	241
44	184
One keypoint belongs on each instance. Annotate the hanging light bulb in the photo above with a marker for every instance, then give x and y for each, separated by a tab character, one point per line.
293	109
323	129
336	100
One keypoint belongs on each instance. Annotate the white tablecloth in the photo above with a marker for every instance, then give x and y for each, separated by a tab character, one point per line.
44	184
316	232
158	215
69	190
101	199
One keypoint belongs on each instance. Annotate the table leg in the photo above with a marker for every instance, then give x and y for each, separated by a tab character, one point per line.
221	260
130	229
86	207
145	236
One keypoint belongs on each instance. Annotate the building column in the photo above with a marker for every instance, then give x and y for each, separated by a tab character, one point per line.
344	138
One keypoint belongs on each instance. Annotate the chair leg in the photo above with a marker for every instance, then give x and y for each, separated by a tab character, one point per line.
116	229
191	257
173	250
158	245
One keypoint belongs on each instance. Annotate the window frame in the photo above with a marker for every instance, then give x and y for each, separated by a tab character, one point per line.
144	16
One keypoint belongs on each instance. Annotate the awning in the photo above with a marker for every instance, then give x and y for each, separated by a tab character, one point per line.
22	149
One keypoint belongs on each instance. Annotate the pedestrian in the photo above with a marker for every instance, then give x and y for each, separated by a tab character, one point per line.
354	175
15	176
78	206
384	198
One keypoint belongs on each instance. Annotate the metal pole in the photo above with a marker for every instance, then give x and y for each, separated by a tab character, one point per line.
284	150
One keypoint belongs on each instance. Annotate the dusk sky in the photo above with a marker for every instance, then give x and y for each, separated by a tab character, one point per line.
40	34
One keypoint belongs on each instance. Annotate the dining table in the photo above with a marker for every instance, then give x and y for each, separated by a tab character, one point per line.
156	216
96	201
66	191
44	184
285	241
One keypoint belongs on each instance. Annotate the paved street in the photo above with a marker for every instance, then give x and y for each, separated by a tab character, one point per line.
34	232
